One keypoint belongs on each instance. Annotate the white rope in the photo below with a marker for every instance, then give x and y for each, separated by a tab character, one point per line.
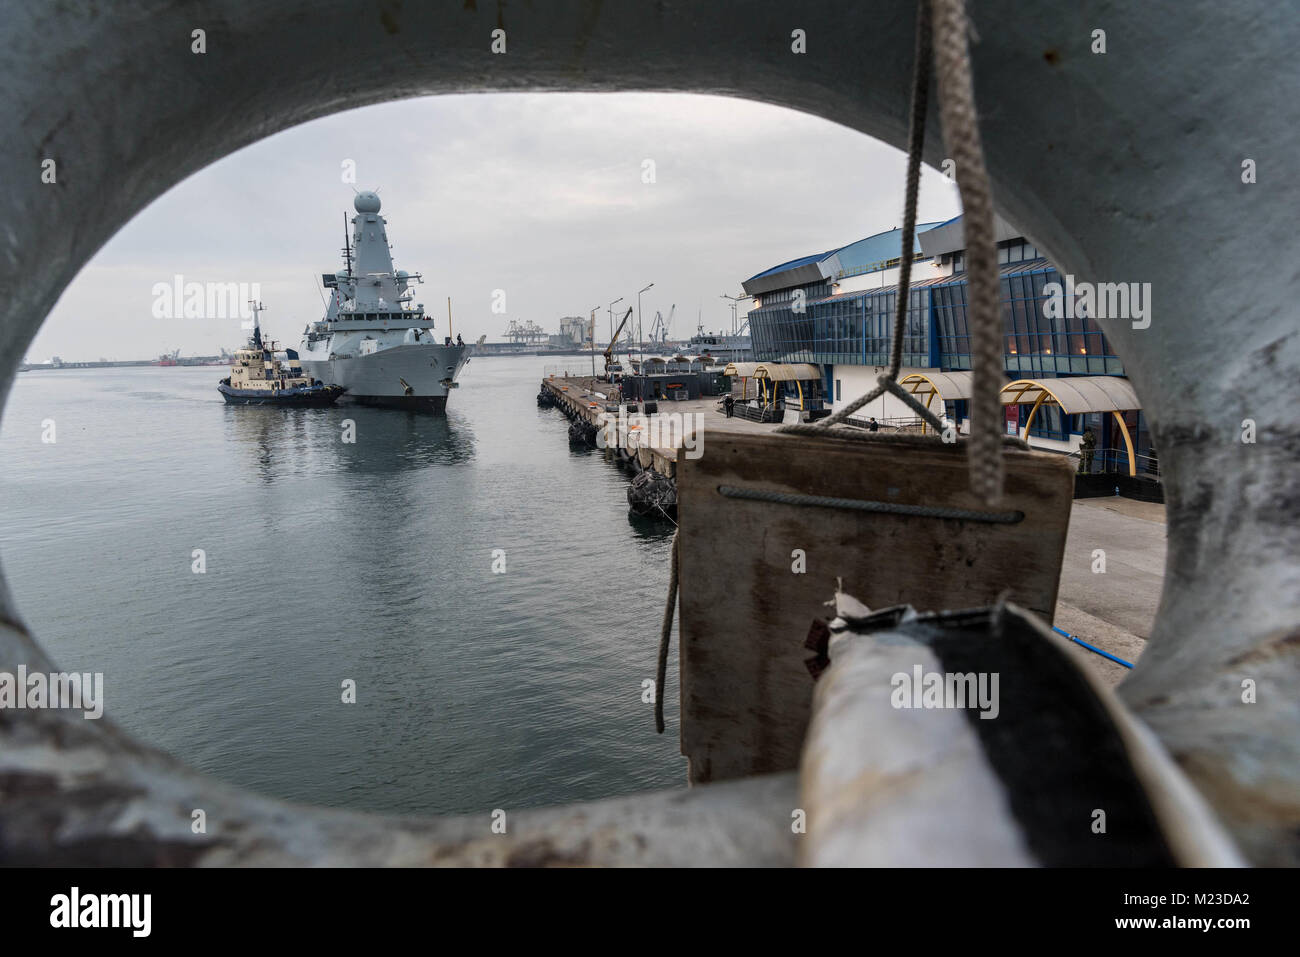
915	146
961	135
665	635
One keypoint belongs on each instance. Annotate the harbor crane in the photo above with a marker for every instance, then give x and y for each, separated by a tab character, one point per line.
609	349
659	330
524	333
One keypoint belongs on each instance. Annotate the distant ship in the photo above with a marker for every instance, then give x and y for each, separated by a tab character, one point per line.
724	348
259	377
373	340
174	358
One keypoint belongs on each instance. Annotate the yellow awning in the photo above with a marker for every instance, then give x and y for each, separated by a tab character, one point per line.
946	386
787	371
1074	394
740	370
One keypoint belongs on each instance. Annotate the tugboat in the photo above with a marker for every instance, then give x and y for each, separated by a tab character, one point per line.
373	339
258	377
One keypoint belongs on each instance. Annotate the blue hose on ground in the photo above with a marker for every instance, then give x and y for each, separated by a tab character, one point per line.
1092	648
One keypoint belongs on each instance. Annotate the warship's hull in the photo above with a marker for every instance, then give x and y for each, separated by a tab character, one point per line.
411	403
417	378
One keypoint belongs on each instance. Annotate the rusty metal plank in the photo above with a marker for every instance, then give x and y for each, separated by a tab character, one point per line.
746	609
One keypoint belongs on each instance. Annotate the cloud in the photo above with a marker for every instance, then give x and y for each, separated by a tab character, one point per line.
538	194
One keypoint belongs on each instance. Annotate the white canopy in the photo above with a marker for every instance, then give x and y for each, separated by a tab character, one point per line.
1075	394
787	371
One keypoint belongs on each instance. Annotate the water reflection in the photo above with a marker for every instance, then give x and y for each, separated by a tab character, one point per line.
389	440
650	527
279	442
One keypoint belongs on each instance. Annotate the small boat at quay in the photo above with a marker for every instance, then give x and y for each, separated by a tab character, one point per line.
259	377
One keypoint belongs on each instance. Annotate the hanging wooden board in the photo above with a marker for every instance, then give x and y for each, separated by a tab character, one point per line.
754	573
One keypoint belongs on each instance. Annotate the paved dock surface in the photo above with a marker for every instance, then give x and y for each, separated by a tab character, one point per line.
1113	610
714	418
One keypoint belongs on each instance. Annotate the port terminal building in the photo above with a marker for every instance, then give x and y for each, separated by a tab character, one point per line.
836	309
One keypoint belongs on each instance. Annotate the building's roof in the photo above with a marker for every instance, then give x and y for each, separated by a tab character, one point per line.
1023	268
863	255
951	236
792	264
872	253
797	272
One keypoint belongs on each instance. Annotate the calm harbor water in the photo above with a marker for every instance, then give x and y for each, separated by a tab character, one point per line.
327	561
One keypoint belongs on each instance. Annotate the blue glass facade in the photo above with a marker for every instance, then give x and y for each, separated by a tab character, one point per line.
855	328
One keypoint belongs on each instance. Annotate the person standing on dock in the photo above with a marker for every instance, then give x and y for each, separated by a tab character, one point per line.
729	404
873	425
1087	445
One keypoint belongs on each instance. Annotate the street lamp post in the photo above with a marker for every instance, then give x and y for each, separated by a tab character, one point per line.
611	317
591	331
639	335
734	300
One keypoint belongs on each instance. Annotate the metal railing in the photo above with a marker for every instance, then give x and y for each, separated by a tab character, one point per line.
577	368
895	424
1115	462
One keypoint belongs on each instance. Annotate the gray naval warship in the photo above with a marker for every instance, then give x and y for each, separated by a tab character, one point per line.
373	341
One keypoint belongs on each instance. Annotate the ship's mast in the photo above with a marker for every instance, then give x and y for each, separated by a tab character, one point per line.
347	245
257	307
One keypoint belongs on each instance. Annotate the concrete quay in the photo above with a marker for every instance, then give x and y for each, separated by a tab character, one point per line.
1112	609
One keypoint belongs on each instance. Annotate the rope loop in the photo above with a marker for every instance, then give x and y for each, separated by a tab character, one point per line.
959	120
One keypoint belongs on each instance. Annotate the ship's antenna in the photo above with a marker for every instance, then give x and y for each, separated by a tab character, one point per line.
347	245
449	316
257	326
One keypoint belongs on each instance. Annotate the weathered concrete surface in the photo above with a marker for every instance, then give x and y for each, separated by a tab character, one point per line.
1127	593
1124	166
1101	634
1115	609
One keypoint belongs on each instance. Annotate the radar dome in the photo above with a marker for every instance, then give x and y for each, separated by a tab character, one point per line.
366	202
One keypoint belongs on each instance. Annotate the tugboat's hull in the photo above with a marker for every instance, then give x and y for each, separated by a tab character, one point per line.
417	378
313	397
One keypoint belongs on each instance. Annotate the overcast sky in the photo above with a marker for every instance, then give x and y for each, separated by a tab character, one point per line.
540	195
